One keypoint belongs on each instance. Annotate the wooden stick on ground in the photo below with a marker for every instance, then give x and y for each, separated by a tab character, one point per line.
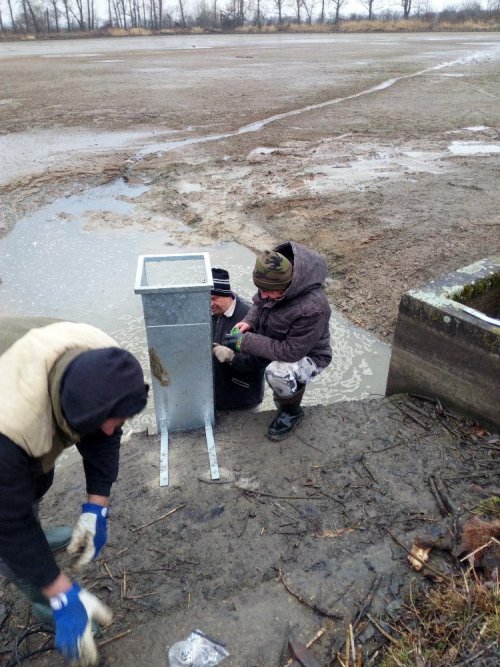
311	605
443	494
366	604
163	516
381	629
437	496
112	639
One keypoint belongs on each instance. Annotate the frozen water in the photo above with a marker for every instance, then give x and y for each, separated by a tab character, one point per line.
473	148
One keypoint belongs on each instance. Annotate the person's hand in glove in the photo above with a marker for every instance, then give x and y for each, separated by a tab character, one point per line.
89	534
233	339
223	354
74	612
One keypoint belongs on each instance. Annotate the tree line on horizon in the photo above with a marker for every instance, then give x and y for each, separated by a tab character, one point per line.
67	16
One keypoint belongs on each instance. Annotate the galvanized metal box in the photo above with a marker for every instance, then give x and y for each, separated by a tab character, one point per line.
175	291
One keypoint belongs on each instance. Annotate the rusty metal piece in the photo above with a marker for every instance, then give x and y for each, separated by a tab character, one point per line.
302	654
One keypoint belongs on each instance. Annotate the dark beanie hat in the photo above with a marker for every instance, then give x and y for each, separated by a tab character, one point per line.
220	278
100	384
273	271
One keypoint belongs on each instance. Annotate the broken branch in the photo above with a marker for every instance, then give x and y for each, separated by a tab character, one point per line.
112	639
441	575
163	516
381	629
311	605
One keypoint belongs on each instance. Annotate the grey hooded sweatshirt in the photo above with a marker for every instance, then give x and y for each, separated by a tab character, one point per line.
297	324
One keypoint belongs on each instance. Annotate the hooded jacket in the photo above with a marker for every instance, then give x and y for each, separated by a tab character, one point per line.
35	360
297	324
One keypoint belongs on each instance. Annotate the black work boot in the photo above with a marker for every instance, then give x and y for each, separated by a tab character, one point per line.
289	416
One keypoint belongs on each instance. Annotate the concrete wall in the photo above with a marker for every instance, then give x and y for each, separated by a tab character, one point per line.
442	349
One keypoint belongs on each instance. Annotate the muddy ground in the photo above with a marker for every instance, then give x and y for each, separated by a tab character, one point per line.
373	181
289	541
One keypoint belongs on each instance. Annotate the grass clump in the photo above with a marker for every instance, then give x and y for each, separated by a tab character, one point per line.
455	622
488	508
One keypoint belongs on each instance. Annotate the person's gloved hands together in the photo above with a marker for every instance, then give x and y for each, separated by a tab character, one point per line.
233	339
223	354
73	615
89	534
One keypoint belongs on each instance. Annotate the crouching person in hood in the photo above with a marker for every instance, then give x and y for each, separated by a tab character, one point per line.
61	383
288	324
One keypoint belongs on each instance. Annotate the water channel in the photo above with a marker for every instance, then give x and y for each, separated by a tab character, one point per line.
54	265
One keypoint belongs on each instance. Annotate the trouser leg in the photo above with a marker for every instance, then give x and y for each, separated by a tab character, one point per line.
288	382
57	538
286	378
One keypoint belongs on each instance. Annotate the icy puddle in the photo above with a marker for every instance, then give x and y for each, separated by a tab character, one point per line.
56	265
473	148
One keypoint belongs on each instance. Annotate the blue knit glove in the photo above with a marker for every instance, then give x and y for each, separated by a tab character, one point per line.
233	339
73	615
89	534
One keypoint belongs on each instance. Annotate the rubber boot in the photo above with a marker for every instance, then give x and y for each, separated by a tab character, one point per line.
289	416
58	537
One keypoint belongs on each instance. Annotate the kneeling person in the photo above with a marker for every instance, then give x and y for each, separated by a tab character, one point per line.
238	377
288	324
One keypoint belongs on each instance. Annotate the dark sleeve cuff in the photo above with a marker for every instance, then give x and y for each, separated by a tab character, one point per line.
101	456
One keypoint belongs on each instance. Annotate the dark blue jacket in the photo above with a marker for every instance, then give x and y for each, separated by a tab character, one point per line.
241	383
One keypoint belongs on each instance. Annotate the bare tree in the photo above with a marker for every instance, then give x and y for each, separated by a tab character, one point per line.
406	5
90	15
279	4
25	14
308	6
121	5
36	25
424	7
78	14
299	6
370	6
337	6
181	9
257	15
67	13
14	27
55	11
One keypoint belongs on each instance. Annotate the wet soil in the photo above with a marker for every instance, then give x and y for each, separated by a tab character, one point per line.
293	536
372	180
290	540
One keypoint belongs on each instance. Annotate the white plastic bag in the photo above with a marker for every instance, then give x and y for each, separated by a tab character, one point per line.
198	650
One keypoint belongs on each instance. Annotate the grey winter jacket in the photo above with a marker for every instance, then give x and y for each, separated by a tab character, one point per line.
297	324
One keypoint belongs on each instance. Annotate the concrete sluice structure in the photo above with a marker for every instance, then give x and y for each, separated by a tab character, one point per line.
447	342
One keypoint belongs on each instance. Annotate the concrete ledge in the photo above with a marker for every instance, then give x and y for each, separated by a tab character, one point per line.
445	348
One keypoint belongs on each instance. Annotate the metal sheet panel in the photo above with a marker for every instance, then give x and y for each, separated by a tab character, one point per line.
175	291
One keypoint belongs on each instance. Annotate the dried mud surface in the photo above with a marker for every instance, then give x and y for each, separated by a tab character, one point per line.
370	182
